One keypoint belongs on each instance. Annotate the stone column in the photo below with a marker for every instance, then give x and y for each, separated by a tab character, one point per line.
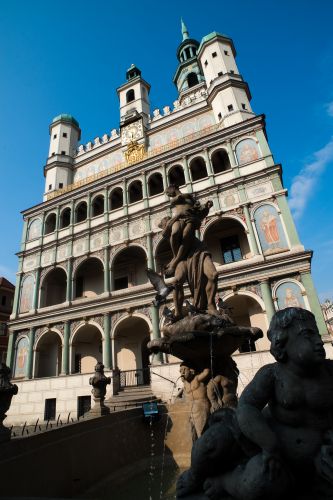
156	334
57	220
36	289
125	197
151	260
266	152
10	350
30	352
187	176
164	175
69	287
16	301
144	190
268	300
65	349
252	237
314	302
24	234
107	351
106	204
232	160
288	220
106	269
209	167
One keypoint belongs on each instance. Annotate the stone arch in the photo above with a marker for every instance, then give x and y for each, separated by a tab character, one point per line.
176	175
128	266
21	355
65	217
26	293
89	278
97	205
53	287
247	149
130	335
227	240
116	198
198	168
248	309
155	184
163	254
220	160
192	79
135	192
289	292
50	223
86	347
130	95
81	211
34	229
48	354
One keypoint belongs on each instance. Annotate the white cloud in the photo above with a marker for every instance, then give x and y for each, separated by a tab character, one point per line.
303	184
329	108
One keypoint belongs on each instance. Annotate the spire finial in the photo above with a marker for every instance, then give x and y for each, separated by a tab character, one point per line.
184	30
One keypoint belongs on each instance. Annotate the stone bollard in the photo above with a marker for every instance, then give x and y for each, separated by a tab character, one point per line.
99	382
7	391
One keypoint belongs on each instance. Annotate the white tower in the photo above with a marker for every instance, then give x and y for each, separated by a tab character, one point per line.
228	94
134	97
65	133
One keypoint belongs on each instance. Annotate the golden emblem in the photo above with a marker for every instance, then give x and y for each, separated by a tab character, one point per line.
135	152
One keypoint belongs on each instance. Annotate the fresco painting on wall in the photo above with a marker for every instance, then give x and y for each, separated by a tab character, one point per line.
35	229
270	230
247	151
26	294
21	357
289	294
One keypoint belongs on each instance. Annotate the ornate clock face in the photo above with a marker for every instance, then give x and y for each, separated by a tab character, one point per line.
131	132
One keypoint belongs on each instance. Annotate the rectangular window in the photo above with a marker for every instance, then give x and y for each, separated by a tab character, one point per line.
206	63
219	73
243	106
61	185
55	136
219	116
226	52
77	363
230	107
50	187
53	154
232	72
64	134
214	54
50	409
63	152
83	405
231	250
2	329
120	283
3	300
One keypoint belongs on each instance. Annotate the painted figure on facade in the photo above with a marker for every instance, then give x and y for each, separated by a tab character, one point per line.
247	151
280	439
270	230
289	294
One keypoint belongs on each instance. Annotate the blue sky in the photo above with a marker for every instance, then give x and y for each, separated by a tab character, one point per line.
69	57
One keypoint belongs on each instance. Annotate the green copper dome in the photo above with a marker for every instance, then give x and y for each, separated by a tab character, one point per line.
66	118
211	36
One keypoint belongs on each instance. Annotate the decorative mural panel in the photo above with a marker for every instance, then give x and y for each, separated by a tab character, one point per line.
21	357
117	234
289	294
80	247
96	242
270	230
48	257
98	165
62	252
246	151
229	198
259	190
35	229
137	228
29	263
27	292
156	219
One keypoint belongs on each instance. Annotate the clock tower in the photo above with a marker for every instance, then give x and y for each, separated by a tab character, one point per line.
134	106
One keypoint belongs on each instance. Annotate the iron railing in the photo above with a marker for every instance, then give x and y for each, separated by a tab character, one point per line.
134	378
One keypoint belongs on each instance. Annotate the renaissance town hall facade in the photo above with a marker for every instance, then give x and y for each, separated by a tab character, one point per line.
82	293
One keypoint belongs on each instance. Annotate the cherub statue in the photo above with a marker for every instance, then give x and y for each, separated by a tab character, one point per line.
279	440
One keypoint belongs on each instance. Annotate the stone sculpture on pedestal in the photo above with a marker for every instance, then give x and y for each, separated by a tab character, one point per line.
99	382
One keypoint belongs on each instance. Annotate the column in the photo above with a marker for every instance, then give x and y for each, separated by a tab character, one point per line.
314	302
253	241
16	301
125	197
233	163
57	220
156	334
24	234
107	351
187	175
266	152
69	286
65	349
30	352
151	261
10	350
288	220
268	300
106	204
164	175
36	289
144	190
106	270
89	214
209	167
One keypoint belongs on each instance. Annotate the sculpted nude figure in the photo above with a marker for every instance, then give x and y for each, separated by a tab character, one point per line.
280	438
196	393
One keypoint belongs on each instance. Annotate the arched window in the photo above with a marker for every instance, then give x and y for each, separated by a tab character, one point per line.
50	224
130	95
176	175
220	161
192	79
81	212
65	218
53	289
98	206
116	199
135	192
198	169
155	184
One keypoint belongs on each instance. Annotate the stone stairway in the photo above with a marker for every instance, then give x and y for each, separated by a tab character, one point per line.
130	397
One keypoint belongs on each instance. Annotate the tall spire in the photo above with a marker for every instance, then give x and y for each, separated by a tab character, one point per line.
184	30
